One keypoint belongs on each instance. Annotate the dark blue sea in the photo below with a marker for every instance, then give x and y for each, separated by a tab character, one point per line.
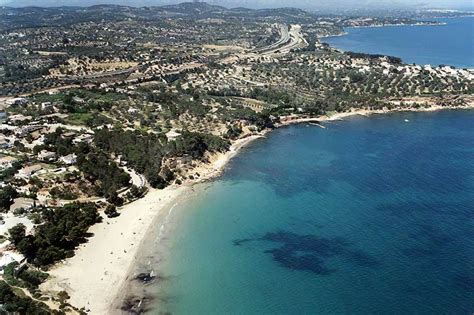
371	215
450	44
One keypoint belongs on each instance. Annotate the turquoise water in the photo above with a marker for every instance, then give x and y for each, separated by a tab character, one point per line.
368	216
451	44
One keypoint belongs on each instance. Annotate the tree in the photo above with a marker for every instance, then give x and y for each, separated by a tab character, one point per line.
7	194
115	199
135	192
233	132
62	230
17	233
15	304
111	211
63	297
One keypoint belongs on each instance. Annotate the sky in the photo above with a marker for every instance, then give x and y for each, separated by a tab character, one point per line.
305	4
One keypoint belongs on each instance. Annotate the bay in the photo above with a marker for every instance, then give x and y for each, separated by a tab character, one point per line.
451	44
372	215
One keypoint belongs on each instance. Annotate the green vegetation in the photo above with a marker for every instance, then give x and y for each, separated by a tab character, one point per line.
220	83
62	193
80	118
87	119
391	59
144	152
7	194
63	230
14	302
99	169
196	144
111	211
23	276
96	166
57	143
7	174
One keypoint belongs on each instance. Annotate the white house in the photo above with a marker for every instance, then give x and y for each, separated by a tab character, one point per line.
172	135
7	161
69	159
46	105
7	257
45	155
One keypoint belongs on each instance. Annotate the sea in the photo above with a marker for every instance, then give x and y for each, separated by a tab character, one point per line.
451	44
370	215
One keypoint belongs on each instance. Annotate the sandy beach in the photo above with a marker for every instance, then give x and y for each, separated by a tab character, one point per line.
98	272
99	266
95	275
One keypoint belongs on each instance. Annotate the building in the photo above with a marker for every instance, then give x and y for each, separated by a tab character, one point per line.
23	131
17	101
18	118
78	100
28	171
4	143
3	116
22	203
7	257
86	138
7	161
46	105
69	159
172	135
46	156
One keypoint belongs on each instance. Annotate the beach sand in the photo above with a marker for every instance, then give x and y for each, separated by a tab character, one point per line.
99	269
99	266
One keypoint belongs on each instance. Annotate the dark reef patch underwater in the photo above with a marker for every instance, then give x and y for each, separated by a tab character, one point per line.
309	252
371	215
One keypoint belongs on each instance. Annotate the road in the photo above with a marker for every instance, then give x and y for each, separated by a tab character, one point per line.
284	38
137	180
99	75
290	40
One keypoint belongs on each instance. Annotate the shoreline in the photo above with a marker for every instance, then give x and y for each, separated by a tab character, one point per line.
397	25
346	32
100	269
369	112
98	276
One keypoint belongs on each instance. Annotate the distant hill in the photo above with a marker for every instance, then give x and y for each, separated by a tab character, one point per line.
12	18
193	8
334	6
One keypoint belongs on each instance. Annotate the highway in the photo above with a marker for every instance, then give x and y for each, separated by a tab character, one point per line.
290	39
284	38
296	40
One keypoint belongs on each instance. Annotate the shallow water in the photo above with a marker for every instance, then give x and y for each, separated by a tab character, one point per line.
368	216
451	44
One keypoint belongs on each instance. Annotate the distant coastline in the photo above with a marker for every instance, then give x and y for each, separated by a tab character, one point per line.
379	26
400	24
409	50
